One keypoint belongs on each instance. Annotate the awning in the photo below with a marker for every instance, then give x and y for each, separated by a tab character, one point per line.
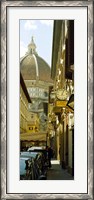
33	137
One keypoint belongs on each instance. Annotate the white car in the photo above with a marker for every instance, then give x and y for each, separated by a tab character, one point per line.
35	148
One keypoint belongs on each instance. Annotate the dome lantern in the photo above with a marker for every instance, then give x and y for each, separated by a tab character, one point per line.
32	47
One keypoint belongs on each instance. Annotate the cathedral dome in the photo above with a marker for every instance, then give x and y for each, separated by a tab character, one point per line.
33	67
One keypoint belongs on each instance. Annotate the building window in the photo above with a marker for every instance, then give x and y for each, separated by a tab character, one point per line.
45	94
31	116
30	128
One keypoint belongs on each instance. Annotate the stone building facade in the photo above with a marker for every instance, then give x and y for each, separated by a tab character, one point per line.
62	72
37	77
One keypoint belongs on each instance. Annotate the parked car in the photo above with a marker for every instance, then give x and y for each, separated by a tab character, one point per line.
38	164
44	153
26	168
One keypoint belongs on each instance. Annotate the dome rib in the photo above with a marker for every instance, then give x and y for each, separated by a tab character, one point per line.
34	67
36	63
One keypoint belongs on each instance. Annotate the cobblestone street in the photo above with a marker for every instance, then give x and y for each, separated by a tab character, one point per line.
57	173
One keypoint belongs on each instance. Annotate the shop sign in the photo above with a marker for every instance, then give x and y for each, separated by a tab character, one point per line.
60	103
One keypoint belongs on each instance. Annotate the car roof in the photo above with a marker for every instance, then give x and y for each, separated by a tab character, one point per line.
35	147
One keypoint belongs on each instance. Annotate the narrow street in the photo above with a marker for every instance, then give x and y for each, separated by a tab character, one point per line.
57	173
47	103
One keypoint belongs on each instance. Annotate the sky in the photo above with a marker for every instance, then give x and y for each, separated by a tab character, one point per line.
42	31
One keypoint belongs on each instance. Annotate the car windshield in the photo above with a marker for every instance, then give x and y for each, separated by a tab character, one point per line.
29	154
23	166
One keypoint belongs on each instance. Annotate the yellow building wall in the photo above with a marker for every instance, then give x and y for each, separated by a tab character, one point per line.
33	128
29	123
33	123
